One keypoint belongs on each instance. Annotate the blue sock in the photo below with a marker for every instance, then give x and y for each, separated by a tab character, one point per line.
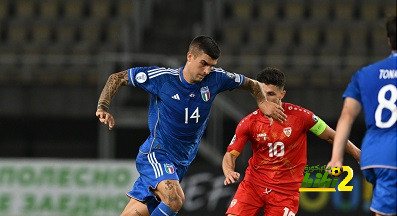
152	204
163	210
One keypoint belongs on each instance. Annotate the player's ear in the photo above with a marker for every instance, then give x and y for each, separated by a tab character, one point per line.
283	94
189	56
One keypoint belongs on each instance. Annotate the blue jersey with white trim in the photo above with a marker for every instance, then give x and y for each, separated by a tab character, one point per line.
179	111
375	88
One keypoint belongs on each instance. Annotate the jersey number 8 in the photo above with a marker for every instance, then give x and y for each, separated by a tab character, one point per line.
385	103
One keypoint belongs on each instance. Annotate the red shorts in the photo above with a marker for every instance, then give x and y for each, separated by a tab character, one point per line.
250	199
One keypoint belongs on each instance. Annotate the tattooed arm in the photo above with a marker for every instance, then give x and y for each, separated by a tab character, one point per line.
268	108
112	85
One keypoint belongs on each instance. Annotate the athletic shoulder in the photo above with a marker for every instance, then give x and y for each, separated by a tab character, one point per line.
250	118
162	72
220	73
293	109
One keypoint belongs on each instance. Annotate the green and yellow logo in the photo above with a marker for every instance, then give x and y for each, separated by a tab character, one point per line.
325	182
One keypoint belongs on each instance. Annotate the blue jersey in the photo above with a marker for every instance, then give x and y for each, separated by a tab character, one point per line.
375	88
179	111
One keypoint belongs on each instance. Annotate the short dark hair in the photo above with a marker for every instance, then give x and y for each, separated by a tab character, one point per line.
272	76
391	31
207	45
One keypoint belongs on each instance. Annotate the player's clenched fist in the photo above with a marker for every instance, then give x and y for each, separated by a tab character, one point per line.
231	177
105	118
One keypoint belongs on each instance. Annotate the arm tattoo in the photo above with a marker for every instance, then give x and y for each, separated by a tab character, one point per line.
172	197
256	90
137	212
169	185
112	85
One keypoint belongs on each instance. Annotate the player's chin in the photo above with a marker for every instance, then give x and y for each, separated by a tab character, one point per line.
200	77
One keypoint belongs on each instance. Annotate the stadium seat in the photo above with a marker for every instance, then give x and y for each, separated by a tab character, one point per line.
4	10
242	10
302	61
334	38
74	9
309	34
369	10
389	7
321	77
83	48
379	42
228	50
294	9
58	49
10	48
268	10
355	62
42	31
18	32
116	34
126	9
25	9
357	38
276	60
100	9
344	10
49	9
250	62
90	31
296	76
233	33
352	65
320	10
283	33
258	33
66	32
35	50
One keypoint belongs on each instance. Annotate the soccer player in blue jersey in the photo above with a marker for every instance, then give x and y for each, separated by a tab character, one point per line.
180	103
373	88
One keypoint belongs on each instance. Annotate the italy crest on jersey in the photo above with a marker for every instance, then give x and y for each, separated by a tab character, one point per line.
205	93
169	168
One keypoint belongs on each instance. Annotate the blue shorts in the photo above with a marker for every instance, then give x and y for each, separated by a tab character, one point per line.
153	168
384	198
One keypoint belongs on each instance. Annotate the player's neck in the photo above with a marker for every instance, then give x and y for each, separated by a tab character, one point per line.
186	76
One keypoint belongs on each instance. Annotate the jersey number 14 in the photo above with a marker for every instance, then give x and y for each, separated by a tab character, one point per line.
195	115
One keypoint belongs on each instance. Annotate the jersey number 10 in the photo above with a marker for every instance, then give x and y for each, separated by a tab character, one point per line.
276	149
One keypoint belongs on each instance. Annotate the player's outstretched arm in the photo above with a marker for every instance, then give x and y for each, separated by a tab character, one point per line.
111	87
228	165
268	108
349	147
350	111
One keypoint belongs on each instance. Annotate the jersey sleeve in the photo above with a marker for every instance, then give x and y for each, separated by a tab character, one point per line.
312	122
228	80
353	89
240	138
144	77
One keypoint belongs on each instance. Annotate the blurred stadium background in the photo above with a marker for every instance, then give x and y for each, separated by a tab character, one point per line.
55	56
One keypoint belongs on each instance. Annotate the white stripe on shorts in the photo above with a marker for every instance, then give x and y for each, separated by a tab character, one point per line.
156	165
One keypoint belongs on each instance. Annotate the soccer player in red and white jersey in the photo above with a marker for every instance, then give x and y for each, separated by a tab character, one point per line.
275	171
